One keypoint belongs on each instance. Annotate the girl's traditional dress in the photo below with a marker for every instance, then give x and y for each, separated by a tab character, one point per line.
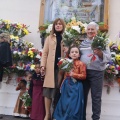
36	93
19	110
71	102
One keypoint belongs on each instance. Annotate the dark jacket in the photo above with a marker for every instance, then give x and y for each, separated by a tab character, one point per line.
5	54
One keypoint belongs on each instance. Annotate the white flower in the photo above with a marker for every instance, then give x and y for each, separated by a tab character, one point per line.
30	43
113	53
107	65
73	18
41	50
67	33
116	72
19	53
48	30
117	65
69	60
38	56
15	52
77	28
113	59
19	68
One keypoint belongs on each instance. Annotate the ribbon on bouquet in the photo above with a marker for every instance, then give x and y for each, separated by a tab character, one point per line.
93	57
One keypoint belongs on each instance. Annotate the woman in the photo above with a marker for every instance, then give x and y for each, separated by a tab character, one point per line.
95	70
5	53
52	51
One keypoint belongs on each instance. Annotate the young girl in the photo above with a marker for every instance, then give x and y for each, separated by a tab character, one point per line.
36	91
70	104
19	111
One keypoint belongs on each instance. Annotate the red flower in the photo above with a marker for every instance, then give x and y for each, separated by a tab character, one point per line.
59	63
40	53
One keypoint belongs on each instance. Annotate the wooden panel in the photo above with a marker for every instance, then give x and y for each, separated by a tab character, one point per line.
42	11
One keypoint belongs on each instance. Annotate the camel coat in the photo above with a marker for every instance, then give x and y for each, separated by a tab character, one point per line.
48	59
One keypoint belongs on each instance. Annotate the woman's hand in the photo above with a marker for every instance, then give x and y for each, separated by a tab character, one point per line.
42	71
98	52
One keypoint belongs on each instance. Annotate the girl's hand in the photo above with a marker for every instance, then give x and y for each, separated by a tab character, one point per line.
71	73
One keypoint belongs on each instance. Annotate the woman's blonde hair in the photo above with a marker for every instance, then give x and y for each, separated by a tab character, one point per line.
54	23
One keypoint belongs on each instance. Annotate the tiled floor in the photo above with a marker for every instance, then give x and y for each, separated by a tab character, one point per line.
9	117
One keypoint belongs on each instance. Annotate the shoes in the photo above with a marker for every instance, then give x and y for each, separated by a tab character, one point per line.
1	117
0	88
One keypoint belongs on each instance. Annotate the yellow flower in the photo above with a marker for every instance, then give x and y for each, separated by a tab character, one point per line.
73	23
25	31
117	57
68	26
83	30
80	23
19	25
6	21
112	67
118	47
23	52
32	67
8	26
110	44
14	37
30	53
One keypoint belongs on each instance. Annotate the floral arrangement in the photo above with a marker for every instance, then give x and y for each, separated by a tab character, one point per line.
15	29
23	53
76	25
100	41
74	30
24	58
65	64
27	101
112	72
110	75
45	29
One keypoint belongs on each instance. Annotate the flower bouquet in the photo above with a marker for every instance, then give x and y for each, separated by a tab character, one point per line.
110	74
27	101
65	64
74	30
44	30
15	29
100	41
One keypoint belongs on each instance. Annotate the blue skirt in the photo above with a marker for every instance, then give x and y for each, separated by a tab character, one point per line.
71	103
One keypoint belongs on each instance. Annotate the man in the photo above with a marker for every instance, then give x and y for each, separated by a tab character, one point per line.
95	71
